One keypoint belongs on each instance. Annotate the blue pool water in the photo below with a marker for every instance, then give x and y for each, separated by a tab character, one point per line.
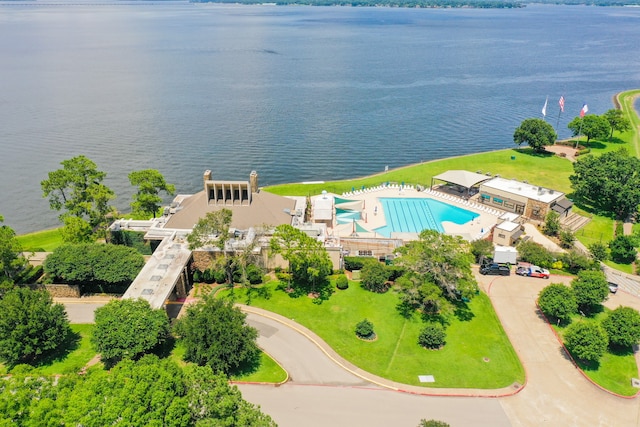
414	215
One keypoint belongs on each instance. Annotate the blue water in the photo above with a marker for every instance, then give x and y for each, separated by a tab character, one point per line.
412	215
296	93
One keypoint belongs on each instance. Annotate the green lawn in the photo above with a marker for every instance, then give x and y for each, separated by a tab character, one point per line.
546	170
614	370
41	241
71	362
268	372
395	354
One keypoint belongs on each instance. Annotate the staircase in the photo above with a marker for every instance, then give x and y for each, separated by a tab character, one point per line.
574	221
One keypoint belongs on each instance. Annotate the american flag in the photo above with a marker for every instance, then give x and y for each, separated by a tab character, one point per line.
561	103
584	110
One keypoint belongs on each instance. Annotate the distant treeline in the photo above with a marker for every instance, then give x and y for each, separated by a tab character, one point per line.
388	3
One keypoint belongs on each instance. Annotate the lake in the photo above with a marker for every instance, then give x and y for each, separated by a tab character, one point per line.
296	93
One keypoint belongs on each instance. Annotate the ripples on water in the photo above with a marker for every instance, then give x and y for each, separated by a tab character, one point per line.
296	93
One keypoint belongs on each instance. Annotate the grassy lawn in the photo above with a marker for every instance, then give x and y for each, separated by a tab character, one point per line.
41	241
614	370
625	268
268	372
395	354
74	357
546	170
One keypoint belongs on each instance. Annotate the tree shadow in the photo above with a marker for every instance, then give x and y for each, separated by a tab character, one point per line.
528	151
596	144
462	311
164	349
616	140
619	350
248	366
591	311
587	366
262	292
70	344
405	309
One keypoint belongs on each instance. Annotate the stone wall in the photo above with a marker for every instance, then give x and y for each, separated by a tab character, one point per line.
59	291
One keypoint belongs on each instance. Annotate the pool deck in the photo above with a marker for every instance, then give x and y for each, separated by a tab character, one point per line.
373	214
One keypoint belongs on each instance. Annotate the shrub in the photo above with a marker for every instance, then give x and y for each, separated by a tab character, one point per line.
433	423
394	272
535	254
586	340
619	231
557	301
254	274
574	262
623	249
622	326
432	336
207	276
567	238
364	329
219	276
482	248
342	282
197	276
599	251
356	263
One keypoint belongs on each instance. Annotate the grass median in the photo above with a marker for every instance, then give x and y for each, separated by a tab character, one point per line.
478	353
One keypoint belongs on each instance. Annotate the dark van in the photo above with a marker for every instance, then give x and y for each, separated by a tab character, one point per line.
495	270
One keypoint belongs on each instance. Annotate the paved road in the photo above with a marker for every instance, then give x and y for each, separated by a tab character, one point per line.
80	310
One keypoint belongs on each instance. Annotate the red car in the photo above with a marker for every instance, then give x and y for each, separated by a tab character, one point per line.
533	271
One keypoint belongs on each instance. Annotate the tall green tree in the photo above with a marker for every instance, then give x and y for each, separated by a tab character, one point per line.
586	340
150	183
309	261
592	126
617	121
213	231
443	260
610	183
536	133
127	329
31	326
558	301
590	289
623	249
374	276
11	260
623	326
214	333
78	191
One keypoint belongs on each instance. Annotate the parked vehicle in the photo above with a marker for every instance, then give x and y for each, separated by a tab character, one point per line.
533	271
613	288
495	270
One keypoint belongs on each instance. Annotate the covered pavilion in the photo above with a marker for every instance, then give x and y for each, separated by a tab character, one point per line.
461	182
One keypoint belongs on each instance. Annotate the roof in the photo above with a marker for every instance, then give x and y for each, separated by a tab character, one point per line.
532	192
461	177
323	208
507	226
265	209
564	203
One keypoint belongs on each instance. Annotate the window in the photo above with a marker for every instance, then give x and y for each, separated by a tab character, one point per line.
502	236
497	201
520	209
508	205
365	253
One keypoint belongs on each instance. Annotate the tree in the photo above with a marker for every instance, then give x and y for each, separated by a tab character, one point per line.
31	326
76	230
482	248
586	340
374	276
11	260
623	249
127	329
94	266
575	261
617	121
609	182
213	231
591	126
443	260
77	189
599	251
552	223
623	326
536	133
214	333
309	262
150	183
558	301
590	289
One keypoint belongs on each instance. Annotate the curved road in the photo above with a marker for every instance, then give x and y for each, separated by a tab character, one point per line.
322	393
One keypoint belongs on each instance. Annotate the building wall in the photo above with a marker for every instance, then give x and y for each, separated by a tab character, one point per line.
536	210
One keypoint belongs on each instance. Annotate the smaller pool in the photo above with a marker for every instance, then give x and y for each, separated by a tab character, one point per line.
412	215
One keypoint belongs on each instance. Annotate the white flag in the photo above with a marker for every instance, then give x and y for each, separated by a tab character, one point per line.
544	108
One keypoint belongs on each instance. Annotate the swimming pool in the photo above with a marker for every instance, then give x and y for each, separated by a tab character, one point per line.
412	215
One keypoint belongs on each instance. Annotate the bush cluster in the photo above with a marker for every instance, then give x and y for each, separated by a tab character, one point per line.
432	336
342	282
364	329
